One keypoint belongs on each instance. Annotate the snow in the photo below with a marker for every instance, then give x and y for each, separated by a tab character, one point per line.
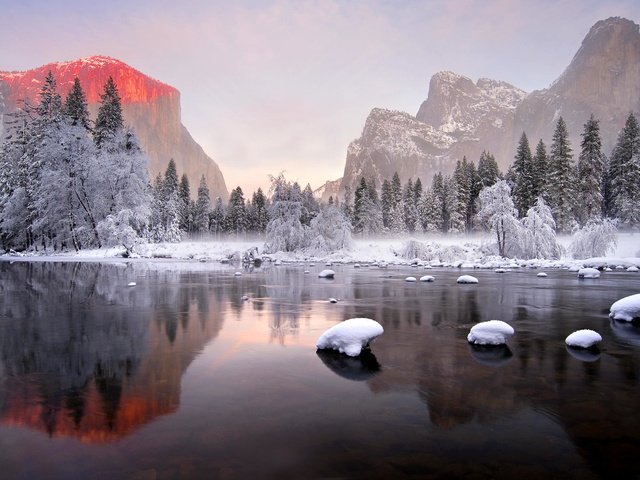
410	279
326	274
542	275
493	332
131	284
500	270
467	279
333	300
632	269
588	273
583	339
627	308
350	336
238	274
244	298
427	278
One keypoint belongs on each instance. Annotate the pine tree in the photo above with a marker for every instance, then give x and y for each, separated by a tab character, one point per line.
170	183
386	202
259	203
397	222
236	218
624	174
75	105
109	120
560	179
185	205
50	106
524	187
217	217
429	212
310	205
410	207
347	204
488	170
202	207
417	190
590	173
540	167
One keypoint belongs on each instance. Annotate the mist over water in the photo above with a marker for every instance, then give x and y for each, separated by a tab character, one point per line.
180	377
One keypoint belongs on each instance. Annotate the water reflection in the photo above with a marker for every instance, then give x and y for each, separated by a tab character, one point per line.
584	354
491	355
85	356
363	367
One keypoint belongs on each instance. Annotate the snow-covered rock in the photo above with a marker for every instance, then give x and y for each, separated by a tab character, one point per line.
583	339
467	279
493	332
542	275
427	278
131	284
238	274
500	270
632	269
588	273
410	279
327	274
626	308
244	298
350	336
333	300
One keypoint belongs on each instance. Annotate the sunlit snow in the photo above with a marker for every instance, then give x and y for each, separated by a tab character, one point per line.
350	336
493	332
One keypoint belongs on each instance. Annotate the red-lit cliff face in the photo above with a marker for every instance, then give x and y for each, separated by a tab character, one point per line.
151	107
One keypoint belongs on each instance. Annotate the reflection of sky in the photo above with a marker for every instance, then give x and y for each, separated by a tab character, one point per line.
280	85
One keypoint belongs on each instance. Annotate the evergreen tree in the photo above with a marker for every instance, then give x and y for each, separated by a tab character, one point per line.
75	105
590	173
109	120
410	207
397	222
236	218
624	174
202	207
50	106
386	201
347	204
310	205
185	205
259	203
560	179
524	188
540	167
417	190
217	217
170	183
488	170
429	212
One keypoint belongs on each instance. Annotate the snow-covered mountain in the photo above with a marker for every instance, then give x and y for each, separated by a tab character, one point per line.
329	189
151	107
462	118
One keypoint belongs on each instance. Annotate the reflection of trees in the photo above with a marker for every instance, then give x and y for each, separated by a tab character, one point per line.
81	354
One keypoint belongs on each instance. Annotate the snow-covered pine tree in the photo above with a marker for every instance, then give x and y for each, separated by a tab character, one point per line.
499	214
540	167
524	188
410	207
310	204
347	203
590	172
430	212
217	216
109	120
386	202
624	174
75	105
453	208
236	218
186	205
560	179
202	207
488	171
359	198
259	203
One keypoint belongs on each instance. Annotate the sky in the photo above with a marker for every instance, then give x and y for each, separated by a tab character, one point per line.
285	85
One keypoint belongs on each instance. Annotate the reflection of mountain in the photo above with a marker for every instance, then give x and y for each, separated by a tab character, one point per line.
84	356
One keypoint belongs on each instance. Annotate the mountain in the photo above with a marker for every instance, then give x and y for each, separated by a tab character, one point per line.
329	189
462	118
151	107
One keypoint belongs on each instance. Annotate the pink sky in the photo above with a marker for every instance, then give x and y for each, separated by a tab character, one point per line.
274	86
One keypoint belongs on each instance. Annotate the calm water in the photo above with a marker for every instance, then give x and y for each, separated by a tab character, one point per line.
179	378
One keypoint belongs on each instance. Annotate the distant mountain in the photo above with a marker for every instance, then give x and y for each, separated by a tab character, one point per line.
462	118
329	189
151	107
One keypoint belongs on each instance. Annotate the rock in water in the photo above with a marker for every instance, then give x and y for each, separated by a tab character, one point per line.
350	336
588	273
327	274
410	279
583	339
627	308
467	279
493	332
427	278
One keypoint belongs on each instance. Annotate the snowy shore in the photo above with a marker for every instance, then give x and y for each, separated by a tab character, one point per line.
464	252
